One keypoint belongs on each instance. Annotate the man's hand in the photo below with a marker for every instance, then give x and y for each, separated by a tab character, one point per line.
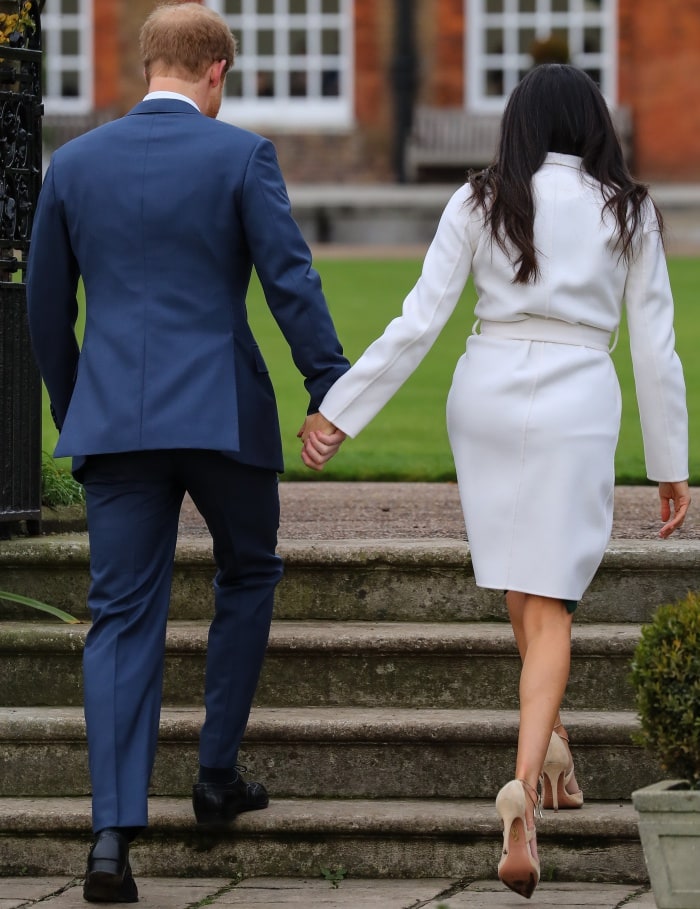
321	440
679	494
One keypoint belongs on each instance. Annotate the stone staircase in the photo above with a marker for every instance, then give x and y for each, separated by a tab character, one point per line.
385	721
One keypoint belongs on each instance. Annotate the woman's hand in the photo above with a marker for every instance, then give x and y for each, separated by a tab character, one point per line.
321	440
679	494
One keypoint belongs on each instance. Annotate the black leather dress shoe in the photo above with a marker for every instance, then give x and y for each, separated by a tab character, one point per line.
108	878
219	803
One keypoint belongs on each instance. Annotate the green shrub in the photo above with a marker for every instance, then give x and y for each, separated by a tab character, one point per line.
666	678
58	486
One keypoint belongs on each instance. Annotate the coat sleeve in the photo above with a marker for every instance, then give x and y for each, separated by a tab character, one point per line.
361	393
52	306
658	374
291	285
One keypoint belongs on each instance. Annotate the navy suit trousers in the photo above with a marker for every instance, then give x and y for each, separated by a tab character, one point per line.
133	506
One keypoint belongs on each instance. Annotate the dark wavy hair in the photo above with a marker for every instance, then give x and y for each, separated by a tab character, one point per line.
555	108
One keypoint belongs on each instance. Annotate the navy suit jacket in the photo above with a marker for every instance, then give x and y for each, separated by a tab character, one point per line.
164	213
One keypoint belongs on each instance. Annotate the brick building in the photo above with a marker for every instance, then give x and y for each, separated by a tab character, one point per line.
333	81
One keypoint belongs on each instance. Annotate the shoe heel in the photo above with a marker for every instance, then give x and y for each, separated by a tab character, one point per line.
510	805
555	766
106	869
557	773
518	869
208	815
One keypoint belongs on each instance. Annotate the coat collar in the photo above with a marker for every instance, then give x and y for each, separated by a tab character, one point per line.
563	160
164	106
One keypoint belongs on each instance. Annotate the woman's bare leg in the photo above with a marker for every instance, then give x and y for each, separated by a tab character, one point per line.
542	629
515	601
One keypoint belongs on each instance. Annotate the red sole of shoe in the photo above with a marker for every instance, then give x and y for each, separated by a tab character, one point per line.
515	869
523	886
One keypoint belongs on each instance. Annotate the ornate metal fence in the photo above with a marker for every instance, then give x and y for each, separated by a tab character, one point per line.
20	180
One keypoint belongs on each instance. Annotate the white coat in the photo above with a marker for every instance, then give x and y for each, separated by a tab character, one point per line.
534	409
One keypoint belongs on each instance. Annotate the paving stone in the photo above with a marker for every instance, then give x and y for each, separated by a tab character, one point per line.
270	892
154	893
643	900
493	895
23	891
349	894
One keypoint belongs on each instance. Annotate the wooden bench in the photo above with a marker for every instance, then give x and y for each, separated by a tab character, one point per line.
453	138
449	137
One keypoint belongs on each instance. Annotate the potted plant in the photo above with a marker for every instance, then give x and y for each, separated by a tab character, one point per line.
17	25
552	49
666	679
16	22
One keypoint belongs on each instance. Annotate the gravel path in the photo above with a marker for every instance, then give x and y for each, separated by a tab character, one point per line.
323	510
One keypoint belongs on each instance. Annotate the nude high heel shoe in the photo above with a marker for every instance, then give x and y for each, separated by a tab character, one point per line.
518	868
557	773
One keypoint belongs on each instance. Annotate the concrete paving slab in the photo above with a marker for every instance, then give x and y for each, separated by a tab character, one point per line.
154	893
266	893
302	893
23	891
493	895
643	900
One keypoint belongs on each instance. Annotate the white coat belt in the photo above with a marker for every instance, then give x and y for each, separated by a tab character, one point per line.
557	331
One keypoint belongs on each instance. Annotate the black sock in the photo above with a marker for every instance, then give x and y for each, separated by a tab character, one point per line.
129	833
216	774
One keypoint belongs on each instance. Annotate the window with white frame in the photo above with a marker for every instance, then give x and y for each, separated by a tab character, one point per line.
295	63
501	36
67	39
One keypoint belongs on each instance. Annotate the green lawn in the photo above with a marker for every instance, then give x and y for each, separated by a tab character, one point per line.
408	440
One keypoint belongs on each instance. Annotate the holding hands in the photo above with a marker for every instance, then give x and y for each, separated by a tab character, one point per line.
321	440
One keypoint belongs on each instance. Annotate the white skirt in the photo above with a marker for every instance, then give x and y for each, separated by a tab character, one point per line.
533	427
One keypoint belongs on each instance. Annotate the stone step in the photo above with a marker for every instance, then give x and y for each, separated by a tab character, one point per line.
366	838
334	752
316	663
362	580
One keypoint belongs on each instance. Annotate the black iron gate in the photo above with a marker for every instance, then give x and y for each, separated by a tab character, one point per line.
20	180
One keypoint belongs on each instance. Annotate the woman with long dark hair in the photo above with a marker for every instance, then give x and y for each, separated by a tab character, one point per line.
557	235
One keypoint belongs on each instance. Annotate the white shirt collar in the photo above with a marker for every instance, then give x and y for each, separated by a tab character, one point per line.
174	96
565	160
